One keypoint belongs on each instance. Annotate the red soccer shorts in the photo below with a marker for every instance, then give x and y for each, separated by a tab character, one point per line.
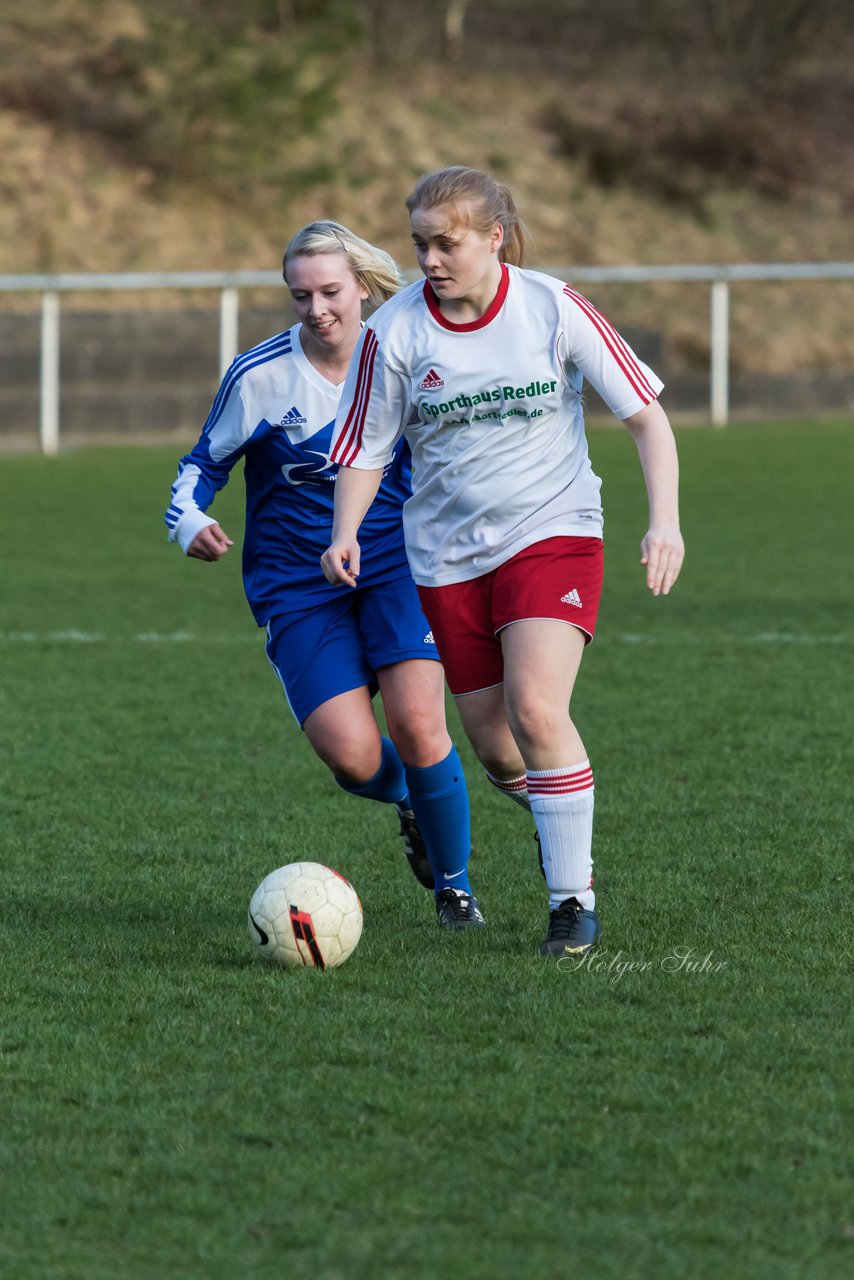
559	578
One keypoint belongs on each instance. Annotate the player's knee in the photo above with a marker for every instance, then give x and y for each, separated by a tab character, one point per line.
504	765
420	736
495	750
534	721
349	762
420	751
350	774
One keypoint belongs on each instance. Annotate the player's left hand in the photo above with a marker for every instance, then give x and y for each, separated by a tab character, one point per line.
662	551
210	544
340	562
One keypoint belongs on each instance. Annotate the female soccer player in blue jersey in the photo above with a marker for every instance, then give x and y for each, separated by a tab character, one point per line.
332	650
481	368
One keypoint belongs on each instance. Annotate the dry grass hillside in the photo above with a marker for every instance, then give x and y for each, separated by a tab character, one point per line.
605	171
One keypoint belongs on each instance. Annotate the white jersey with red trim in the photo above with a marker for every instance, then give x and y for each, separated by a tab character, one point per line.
492	411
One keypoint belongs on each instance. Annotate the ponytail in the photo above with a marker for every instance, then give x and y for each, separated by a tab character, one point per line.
375	269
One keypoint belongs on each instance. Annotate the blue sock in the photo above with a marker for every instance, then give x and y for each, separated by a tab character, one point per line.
388	784
440	801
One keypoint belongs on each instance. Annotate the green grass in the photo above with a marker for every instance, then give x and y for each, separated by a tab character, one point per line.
442	1106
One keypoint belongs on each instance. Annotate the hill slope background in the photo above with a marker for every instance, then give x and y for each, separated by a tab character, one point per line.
136	135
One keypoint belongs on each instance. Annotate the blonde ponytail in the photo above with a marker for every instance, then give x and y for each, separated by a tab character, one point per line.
375	269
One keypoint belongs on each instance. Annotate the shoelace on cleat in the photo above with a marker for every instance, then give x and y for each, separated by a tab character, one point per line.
459	904
563	920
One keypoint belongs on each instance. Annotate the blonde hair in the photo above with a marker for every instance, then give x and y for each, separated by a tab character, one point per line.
375	269
489	202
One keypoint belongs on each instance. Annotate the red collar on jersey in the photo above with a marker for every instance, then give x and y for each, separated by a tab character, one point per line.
489	314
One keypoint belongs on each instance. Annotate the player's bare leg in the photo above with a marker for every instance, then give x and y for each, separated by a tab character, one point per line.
485	722
413	695
344	734
541	661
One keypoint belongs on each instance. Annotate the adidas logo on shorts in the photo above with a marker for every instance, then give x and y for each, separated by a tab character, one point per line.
572	597
432	381
428	639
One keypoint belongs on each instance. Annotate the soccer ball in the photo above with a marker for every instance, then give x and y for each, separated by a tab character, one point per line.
307	915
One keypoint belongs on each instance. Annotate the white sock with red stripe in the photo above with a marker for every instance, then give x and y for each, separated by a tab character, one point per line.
515	788
562	805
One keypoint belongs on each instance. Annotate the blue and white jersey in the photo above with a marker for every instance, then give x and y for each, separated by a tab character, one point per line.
275	410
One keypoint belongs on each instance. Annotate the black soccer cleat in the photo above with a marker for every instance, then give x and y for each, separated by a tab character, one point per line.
458	910
573	931
414	848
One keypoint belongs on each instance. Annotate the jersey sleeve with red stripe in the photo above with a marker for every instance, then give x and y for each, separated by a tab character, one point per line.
604	358
374	408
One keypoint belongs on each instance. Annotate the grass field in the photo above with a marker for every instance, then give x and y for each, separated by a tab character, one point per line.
442	1106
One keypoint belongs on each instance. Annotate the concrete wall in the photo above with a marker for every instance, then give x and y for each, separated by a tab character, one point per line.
134	374
151	375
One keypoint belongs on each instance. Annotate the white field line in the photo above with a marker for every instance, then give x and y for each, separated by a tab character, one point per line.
758	637
73	636
141	637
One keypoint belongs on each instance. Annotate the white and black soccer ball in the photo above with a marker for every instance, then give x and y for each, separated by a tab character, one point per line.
305	915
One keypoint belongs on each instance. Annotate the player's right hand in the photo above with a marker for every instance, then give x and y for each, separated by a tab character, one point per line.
211	544
340	562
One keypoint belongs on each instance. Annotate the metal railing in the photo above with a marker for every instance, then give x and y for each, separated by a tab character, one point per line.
228	283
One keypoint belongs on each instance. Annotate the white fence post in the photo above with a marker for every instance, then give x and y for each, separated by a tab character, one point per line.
718	276
50	374
228	318
719	372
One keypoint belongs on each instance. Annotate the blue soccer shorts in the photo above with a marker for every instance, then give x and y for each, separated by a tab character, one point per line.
341	644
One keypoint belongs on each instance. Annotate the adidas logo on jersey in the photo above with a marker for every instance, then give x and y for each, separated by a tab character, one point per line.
428	639
432	381
572	597
293	418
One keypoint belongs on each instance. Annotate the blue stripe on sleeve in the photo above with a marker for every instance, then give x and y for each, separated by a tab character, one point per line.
280	345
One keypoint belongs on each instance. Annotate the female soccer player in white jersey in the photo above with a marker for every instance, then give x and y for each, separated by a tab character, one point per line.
481	368
276	409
